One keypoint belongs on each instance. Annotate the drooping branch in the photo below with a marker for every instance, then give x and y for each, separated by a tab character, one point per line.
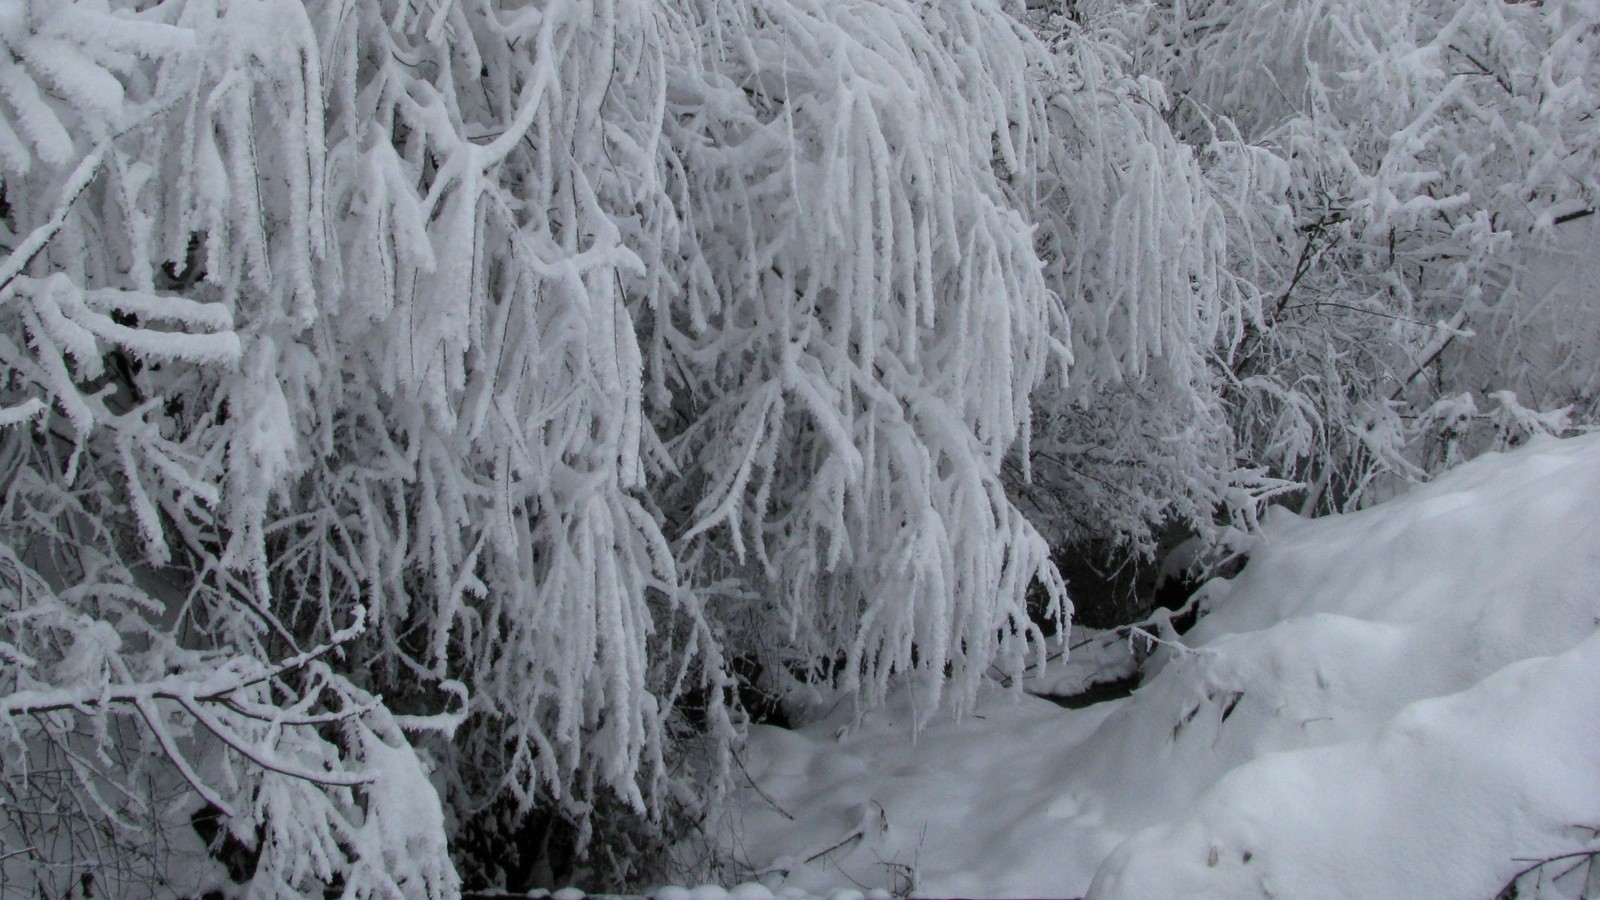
175	688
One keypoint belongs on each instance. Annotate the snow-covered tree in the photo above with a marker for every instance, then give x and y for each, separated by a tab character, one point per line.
639	312
1405	176
1135	438
465	369
159	243
856	333
411	409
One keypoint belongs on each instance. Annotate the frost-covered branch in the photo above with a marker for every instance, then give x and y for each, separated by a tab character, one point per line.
216	688
1404	168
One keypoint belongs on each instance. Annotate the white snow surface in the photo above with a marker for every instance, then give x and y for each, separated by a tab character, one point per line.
1403	701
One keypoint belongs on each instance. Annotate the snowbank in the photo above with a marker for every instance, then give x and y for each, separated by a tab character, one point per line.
1400	702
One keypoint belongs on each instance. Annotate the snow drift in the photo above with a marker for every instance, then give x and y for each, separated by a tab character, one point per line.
1403	701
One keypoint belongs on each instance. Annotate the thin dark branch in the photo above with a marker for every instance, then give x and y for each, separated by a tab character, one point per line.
737	758
1510	888
23	851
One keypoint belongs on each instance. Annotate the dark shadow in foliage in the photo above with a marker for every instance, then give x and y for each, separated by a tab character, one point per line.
518	853
1109	586
1112	585
239	858
501	851
1038	600
752	693
760	703
1117	591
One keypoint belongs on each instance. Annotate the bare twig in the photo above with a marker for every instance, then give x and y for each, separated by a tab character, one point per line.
763	794
1510	889
24	850
855	835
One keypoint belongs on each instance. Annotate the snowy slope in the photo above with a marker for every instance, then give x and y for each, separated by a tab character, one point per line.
1400	702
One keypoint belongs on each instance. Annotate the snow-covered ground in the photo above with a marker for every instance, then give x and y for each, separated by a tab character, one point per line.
1402	702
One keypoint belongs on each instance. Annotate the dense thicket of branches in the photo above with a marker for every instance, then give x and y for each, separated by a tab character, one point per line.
410	411
1424	175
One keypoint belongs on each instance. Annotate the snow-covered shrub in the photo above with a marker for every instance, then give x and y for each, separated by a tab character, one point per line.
1135	437
643	311
492	373
535	338
1414	169
854	335
159	239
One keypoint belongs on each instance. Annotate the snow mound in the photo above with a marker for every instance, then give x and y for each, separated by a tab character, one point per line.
1443	801
1403	701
